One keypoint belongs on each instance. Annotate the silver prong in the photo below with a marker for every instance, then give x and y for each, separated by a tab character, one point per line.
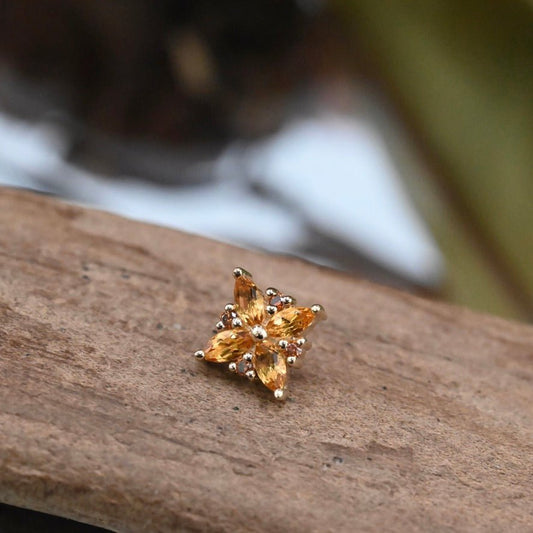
271	309
232	367
298	363
300	342
229	307
236	322
239	271
288	300
271	291
219	325
259	333
306	346
250	374
291	360
279	394
248	357
319	311
199	354
283	344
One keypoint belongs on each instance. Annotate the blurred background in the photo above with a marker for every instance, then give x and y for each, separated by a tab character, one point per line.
392	140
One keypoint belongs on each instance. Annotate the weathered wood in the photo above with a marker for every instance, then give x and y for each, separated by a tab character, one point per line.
408	415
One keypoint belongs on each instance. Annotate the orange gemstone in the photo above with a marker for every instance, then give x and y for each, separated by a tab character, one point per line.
290	322
270	366
227	345
249	300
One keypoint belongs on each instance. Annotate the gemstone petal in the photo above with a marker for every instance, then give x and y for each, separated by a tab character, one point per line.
290	322
250	301
228	345
270	366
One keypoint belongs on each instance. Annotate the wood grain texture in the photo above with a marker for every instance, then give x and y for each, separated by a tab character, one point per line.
409	415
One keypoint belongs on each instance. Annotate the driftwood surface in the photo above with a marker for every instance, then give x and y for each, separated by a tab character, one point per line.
409	415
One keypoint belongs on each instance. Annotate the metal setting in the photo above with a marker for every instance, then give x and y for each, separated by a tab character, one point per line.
261	336
236	322
279	394
259	333
319	311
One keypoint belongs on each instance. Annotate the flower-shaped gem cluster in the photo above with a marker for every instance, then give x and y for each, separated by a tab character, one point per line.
260	334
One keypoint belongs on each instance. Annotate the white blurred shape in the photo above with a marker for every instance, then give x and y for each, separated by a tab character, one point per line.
32	157
224	211
30	148
335	171
338	172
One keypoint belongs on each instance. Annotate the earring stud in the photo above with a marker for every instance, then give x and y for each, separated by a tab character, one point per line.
261	334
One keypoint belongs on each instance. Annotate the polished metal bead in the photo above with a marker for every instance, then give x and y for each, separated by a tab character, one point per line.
279	394
259	333
319	311
239	271
291	360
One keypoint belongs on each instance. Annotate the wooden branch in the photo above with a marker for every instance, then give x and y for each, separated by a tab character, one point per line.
409	415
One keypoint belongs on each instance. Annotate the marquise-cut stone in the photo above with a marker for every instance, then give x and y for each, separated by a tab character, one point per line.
270	366
290	322
228	345
249	300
